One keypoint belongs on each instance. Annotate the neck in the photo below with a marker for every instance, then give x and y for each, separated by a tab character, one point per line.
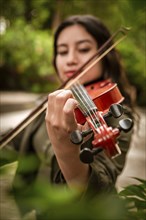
93	81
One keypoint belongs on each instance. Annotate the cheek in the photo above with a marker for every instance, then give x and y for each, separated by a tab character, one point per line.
96	70
94	73
57	63
60	72
99	69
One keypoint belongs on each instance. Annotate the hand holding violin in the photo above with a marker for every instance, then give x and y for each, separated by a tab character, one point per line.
64	120
60	122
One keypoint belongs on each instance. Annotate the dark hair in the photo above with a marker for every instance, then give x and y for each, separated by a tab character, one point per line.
112	67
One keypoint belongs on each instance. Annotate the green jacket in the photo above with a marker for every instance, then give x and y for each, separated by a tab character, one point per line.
37	160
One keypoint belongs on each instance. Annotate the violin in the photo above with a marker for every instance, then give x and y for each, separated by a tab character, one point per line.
104	94
96	102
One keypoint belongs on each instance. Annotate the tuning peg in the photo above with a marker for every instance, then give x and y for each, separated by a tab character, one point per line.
87	155
126	124
116	110
76	136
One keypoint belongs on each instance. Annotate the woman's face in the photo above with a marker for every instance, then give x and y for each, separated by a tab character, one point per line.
75	46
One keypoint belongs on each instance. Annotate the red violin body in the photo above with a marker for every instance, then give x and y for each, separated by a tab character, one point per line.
103	94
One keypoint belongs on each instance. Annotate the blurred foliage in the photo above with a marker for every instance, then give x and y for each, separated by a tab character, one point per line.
27	58
60	203
27	34
135	199
135	68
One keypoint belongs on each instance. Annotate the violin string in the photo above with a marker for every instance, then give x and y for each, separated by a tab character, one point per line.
93	110
80	95
86	96
88	110
80	100
89	114
85	102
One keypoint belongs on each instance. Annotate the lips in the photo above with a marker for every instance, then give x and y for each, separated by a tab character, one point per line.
70	73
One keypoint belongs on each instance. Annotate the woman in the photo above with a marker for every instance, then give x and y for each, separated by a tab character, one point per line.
76	40
55	157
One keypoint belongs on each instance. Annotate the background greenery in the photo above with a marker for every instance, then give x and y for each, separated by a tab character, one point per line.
43	201
27	29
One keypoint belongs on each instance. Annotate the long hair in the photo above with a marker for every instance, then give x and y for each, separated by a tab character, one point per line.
112	66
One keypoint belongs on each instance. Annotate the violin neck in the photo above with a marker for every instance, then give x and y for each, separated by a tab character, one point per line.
86	105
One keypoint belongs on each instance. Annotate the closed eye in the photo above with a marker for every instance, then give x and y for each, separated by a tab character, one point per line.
84	50
62	53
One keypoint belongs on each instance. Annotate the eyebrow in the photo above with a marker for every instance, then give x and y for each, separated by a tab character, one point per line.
78	42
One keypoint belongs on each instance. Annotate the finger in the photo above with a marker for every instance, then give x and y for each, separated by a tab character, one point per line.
62	97
68	114
56	103
52	97
50	105
52	101
60	101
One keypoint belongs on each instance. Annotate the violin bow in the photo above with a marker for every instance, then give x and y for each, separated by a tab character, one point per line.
66	85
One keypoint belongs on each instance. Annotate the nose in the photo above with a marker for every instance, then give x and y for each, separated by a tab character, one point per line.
72	57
